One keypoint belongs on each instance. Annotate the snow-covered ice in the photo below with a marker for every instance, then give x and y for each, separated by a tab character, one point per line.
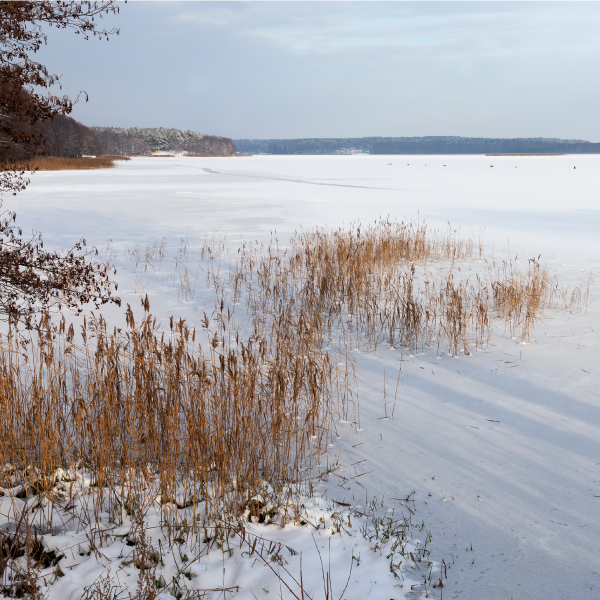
502	448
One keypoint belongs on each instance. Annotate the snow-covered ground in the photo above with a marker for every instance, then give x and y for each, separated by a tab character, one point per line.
501	447
327	547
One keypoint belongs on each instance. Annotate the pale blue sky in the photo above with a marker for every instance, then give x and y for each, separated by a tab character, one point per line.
342	69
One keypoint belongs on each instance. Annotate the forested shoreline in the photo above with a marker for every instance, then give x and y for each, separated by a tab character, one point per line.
137	141
417	145
64	137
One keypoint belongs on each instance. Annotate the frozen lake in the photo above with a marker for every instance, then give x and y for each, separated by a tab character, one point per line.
539	203
502	448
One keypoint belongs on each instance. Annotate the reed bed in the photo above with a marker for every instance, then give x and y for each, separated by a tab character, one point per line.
225	423
228	418
55	163
371	285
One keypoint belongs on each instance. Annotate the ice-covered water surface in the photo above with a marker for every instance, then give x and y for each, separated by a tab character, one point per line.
524	198
506	441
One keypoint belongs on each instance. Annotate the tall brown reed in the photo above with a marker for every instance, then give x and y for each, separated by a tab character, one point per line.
145	402
252	395
56	163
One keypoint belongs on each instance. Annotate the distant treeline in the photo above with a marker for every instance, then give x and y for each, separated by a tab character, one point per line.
67	138
61	136
137	141
418	145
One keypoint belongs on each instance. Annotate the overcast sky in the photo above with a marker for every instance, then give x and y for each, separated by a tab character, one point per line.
342	69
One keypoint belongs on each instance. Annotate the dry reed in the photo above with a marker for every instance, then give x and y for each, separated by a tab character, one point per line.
55	163
203	420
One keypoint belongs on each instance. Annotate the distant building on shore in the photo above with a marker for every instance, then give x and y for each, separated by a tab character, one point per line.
351	151
168	153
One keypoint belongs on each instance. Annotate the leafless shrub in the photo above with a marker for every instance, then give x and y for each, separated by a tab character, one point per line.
34	281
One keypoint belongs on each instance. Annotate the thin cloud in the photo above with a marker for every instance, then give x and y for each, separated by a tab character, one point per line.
345	69
489	30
